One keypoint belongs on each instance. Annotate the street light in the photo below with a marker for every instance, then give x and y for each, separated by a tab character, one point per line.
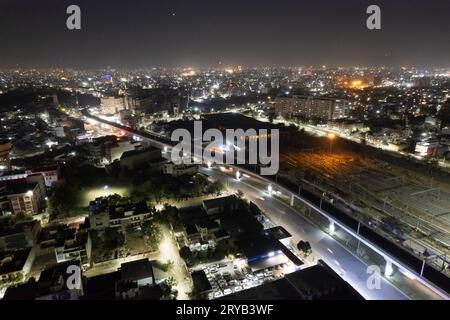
331	137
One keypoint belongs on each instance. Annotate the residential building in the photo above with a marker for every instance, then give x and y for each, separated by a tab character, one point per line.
15	265
134	158
61	281
136	280
19	235
25	198
66	243
51	174
54	282
201	232
177	170
133	276
310	107
318	282
111	105
220	205
103	215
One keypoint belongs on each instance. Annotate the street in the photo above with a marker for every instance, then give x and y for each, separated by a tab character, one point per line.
324	247
169	252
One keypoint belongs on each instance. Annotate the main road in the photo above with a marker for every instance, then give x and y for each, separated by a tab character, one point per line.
346	264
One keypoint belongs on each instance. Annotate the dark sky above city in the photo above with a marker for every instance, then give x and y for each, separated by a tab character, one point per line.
147	33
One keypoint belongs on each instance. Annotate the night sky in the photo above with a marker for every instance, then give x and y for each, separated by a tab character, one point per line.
147	33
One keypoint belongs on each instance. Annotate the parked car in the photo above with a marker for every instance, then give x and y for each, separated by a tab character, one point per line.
237	288
227	291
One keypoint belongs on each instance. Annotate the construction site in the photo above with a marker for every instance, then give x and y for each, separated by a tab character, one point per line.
409	207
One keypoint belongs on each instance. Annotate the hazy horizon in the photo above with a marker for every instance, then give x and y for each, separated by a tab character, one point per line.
140	34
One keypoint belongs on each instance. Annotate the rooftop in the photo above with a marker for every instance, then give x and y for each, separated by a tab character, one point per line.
218	202
135	152
278	233
13	261
314	283
201	281
135	270
22	188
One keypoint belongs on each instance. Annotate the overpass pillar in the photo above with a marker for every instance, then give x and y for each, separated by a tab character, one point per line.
331	227
388	270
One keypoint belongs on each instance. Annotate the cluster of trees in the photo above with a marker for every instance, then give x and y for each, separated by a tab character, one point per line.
21	217
166	267
168	215
106	242
223	248
152	232
304	247
168	288
156	187
66	200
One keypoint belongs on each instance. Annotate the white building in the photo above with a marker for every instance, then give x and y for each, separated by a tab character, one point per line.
177	170
111	105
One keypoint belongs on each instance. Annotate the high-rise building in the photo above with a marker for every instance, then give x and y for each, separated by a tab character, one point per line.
341	109
111	105
25	198
311	107
55	100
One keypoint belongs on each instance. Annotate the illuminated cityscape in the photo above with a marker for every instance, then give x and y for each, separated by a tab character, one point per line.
95	206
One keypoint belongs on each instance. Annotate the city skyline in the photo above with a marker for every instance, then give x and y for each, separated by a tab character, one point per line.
245	150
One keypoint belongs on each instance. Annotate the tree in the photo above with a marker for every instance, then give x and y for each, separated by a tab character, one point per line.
114	199
23	216
166	267
304	247
113	238
169	214
187	255
153	233
64	200
224	248
216	187
168	288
